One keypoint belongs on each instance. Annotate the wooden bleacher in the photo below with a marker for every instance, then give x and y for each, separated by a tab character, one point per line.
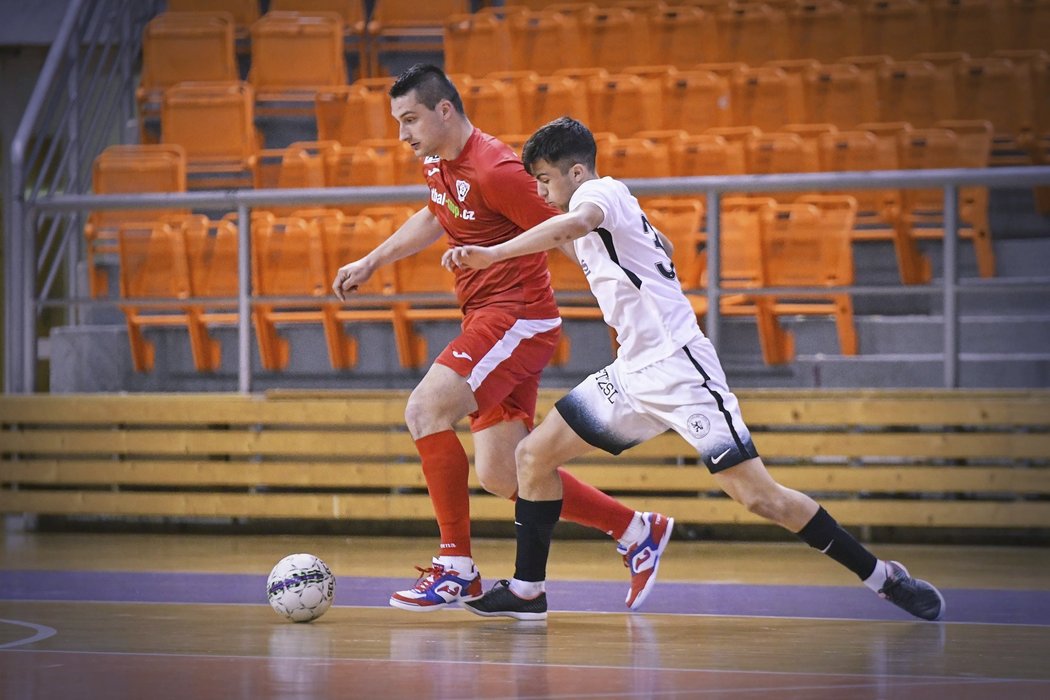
924	458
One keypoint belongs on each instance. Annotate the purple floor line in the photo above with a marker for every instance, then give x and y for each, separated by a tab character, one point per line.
729	599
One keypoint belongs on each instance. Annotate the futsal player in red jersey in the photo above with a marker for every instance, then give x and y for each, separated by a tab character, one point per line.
480	194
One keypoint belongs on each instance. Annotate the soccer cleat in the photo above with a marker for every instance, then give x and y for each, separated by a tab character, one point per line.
642	558
501	602
913	595
437	588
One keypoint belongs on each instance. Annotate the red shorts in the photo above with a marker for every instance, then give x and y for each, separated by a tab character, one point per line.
502	356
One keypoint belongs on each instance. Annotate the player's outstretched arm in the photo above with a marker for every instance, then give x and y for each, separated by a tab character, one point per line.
552	233
421	229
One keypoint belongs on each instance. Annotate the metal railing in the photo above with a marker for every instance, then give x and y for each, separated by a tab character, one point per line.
712	187
82	102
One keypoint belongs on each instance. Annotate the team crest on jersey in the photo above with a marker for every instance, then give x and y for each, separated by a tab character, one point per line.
462	187
431	159
699	425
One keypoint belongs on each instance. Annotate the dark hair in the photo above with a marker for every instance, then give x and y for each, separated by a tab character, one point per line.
562	143
431	86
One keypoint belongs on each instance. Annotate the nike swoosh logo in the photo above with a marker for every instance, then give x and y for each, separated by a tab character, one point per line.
462	355
825	550
716	460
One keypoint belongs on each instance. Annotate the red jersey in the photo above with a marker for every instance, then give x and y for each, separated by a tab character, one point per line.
484	197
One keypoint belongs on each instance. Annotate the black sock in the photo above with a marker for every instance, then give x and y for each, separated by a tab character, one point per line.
534	523
824	533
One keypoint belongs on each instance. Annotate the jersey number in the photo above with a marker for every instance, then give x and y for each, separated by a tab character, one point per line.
650	230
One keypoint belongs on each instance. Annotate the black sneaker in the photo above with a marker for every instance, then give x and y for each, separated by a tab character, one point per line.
500	602
913	595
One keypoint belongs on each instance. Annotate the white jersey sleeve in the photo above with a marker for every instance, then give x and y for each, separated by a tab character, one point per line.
632	277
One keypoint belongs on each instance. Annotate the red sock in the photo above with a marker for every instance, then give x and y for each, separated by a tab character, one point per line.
586	505
446	469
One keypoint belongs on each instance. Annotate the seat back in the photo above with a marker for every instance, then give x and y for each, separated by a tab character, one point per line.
493	105
350	114
623	104
614	38
751	33
682	35
767	98
244	12
293	53
807	243
977	27
183	46
348	238
550	97
996	90
634	158
897	28
708	154
696	100
544	41
915	92
476	44
213	122
288	259
840	94
773	152
825	30
153	261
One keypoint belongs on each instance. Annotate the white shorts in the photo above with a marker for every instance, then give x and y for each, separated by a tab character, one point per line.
614	409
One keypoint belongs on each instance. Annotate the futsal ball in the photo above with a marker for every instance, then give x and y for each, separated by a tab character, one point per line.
300	587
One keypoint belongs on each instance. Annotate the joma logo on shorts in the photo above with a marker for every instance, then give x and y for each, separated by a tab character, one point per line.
605	386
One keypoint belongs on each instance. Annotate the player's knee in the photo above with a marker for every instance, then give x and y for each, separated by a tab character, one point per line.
498	483
529	461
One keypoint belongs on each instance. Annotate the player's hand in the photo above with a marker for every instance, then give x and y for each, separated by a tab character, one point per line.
473	257
350	277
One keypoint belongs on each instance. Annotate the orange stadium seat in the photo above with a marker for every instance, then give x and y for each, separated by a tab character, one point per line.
696	100
840	94
288	261
350	114
623	104
807	244
741	269
406	25
824	30
295	55
708	154
786	151
244	12
168	262
544	41
896	28
1027	24
976	27
682	36
627	158
751	33
408	170
766	98
181	46
352	12
493	106
614	38
476	44
550	97
923	209
914	92
997	90
128	170
214	123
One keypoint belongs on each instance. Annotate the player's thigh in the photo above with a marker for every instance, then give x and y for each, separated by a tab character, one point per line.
439	400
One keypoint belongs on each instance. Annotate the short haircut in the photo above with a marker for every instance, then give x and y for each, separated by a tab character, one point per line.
562	143
431	86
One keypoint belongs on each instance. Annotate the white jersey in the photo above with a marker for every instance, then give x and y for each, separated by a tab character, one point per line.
632	277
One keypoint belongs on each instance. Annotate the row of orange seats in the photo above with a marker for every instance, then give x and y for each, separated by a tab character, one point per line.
181	270
1012	93
619	34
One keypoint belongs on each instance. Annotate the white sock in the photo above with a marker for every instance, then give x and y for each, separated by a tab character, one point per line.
878	577
634	531
461	565
527	590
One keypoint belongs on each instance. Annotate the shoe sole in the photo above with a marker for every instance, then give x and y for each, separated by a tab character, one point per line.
648	587
402	605
523	616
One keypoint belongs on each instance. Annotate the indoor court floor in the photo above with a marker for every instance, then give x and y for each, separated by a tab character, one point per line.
185	616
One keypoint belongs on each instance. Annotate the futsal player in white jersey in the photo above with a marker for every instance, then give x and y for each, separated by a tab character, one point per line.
665	376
